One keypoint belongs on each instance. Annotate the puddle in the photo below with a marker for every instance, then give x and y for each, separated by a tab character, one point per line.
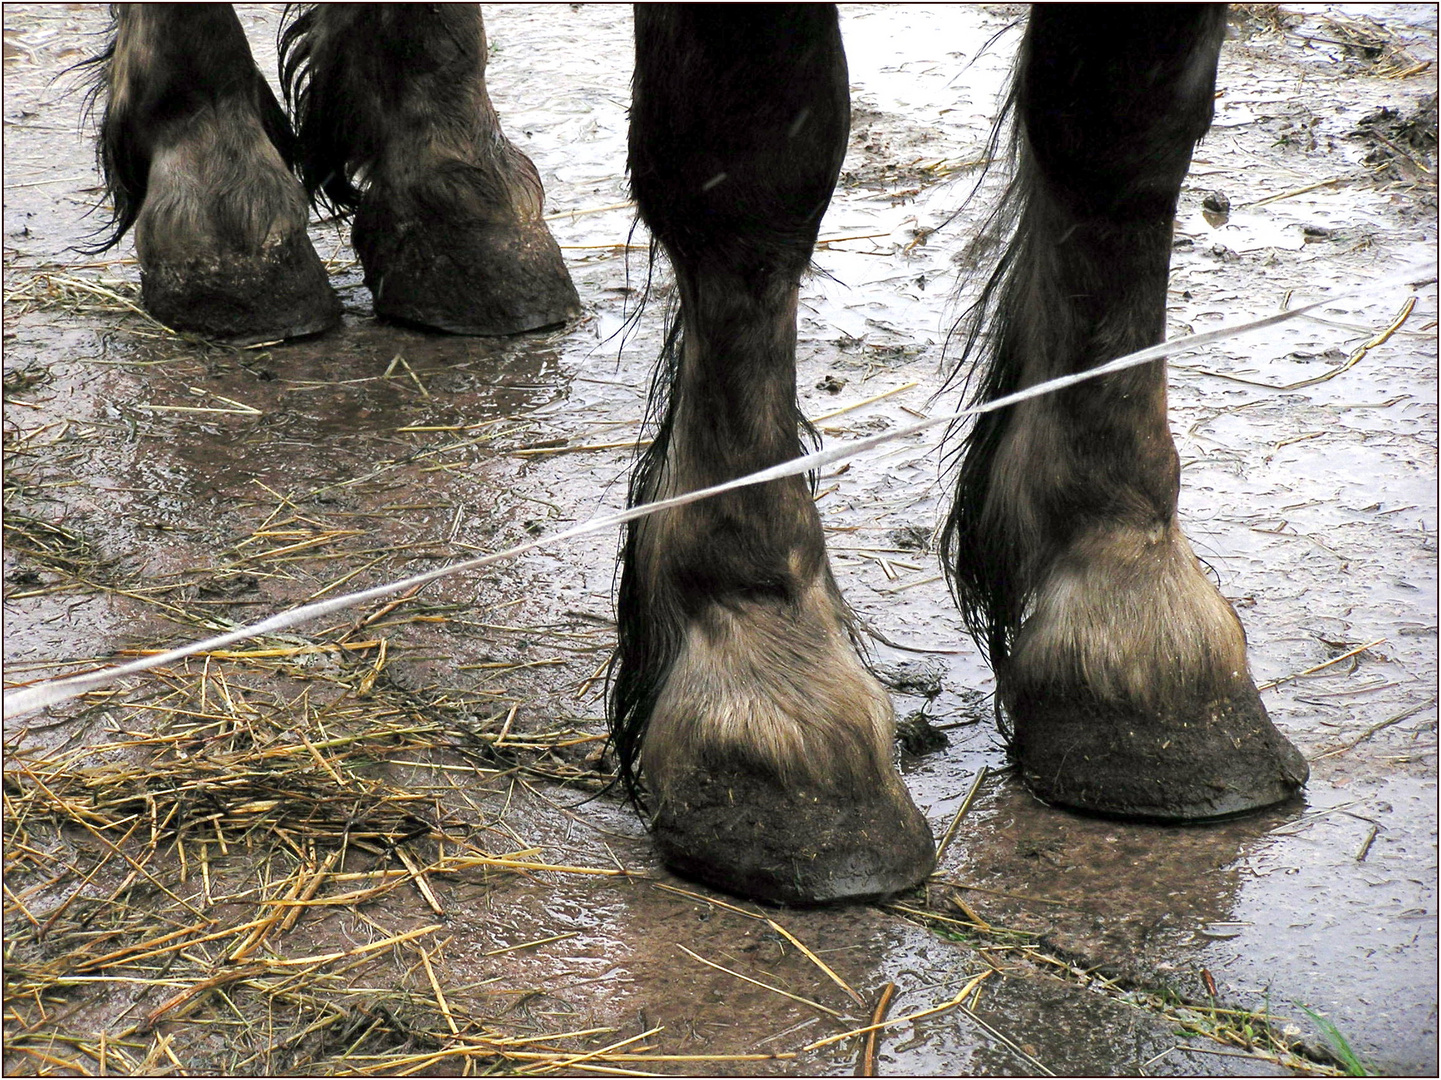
387	449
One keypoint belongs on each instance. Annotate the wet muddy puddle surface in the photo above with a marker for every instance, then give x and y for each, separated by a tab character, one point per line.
157	489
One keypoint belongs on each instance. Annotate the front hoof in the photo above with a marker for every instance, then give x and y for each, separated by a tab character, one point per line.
745	832
465	277
280	292
1205	760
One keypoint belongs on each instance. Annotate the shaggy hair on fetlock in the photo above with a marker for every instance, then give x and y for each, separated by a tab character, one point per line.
647	647
989	599
125	144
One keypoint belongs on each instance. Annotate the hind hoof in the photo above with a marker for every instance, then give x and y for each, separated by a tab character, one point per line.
747	834
466	278
1215	759
282	292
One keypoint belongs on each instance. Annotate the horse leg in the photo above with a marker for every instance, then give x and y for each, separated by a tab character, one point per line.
195	151
396	125
764	742
1120	667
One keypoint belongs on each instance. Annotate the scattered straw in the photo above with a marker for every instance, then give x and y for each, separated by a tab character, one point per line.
192	862
961	812
867	1066
965	991
816	960
1357	355
757	982
1357	651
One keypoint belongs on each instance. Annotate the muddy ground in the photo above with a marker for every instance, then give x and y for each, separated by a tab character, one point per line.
157	488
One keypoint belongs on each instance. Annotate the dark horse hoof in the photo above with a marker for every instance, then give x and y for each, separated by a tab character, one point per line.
1212	760
746	833
464	276
279	292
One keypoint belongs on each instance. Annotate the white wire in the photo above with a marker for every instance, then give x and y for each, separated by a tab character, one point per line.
28	699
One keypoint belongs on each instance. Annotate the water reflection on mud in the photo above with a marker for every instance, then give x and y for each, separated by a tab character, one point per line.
381	449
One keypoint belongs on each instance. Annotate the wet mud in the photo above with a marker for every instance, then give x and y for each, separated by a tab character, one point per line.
151	482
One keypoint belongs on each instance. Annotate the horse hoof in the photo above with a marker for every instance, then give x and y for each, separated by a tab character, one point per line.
746	833
280	292
465	277
1213	759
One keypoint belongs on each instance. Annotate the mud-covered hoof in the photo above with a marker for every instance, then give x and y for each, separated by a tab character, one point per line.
1216	759
747	834
465	277
283	292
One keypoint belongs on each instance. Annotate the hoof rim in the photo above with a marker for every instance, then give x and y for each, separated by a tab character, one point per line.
748	834
1214	759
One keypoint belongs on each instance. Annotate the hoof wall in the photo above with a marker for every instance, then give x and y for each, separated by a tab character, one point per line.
470	279
746	834
1216	760
281	293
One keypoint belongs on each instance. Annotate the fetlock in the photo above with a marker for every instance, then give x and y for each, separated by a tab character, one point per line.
768	757
222	239
1127	689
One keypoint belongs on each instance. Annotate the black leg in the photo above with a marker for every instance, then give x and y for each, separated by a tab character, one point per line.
764	742
195	151
1121	669
396	125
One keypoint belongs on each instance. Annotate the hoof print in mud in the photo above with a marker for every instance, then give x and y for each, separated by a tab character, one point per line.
1217	760
800	845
